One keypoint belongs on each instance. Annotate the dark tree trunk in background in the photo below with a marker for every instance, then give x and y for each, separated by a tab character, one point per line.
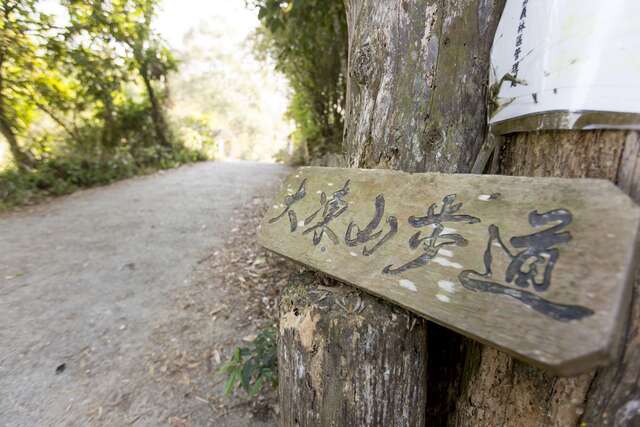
418	76
159	124
108	116
23	159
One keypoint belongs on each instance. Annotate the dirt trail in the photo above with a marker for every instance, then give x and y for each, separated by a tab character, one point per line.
88	280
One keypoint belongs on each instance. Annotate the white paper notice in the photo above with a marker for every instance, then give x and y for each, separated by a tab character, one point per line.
570	58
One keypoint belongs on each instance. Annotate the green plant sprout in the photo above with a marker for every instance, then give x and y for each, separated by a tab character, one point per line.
250	368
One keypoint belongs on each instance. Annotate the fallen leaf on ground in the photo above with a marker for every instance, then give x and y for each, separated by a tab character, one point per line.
250	338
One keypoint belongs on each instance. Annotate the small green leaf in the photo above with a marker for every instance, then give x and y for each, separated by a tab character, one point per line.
247	372
256	387
230	384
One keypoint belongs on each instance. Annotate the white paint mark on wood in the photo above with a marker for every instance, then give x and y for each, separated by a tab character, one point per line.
485	197
512	292
627	413
446	263
443	298
445	252
408	284
447	286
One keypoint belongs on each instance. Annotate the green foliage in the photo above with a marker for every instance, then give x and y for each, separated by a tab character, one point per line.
24	71
308	41
82	96
56	176
250	368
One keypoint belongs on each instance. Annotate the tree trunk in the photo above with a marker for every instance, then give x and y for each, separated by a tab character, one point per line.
157	117
418	75
23	159
347	358
108	116
417	82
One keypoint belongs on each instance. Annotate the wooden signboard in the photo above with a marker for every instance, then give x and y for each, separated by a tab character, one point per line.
538	267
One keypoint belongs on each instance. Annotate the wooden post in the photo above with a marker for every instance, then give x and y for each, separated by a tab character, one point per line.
347	359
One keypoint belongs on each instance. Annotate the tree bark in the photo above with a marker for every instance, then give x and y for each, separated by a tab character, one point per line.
347	358
23	159
417	82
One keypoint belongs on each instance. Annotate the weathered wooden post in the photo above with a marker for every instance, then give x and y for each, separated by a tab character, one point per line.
418	76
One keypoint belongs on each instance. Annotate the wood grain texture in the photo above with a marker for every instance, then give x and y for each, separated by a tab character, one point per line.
499	391
614	395
418	74
334	371
397	56
444	246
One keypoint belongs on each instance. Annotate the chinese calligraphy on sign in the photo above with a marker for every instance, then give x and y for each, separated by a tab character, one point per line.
331	209
478	253
536	251
369	232
288	202
432	244
561	71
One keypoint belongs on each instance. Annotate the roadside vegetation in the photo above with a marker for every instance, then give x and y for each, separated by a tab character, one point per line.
307	39
83	96
85	93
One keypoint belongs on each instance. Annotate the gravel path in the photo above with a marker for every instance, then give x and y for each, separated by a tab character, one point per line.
85	280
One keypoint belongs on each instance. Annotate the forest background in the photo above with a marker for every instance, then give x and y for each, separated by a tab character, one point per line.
92	92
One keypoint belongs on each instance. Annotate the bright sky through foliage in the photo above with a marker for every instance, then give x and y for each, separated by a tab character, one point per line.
247	99
177	17
220	91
